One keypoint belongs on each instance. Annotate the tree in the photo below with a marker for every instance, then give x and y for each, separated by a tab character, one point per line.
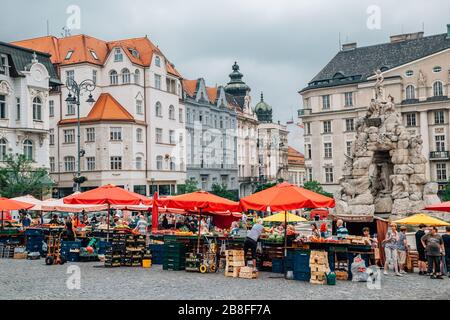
221	190
189	186
445	195
264	186
315	186
18	177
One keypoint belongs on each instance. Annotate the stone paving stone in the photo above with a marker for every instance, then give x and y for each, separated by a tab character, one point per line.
24	279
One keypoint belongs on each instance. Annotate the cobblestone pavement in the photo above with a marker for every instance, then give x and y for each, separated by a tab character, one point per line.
24	279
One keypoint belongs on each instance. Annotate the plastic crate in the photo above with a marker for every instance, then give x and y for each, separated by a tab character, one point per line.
34	232
300	262
277	266
302	276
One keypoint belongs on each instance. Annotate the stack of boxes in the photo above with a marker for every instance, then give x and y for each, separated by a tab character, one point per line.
115	254
319	267
70	250
234	262
34	240
248	273
174	256
157	251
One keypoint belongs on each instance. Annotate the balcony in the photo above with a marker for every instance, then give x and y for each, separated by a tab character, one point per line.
439	155
304	112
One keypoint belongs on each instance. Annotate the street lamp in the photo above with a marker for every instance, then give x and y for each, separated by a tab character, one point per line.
74	98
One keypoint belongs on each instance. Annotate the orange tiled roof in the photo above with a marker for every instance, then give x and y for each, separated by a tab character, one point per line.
189	86
106	108
212	94
83	46
295	157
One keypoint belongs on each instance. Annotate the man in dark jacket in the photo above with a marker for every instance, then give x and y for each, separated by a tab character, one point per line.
421	250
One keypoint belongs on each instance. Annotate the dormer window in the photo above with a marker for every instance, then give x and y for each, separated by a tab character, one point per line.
134	52
4	68
94	55
118	57
157	61
409	73
437	69
69	55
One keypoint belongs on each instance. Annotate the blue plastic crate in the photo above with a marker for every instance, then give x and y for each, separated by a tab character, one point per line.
277	266
302	276
34	232
301	261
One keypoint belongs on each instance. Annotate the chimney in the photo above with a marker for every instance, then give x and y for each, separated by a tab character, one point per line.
349	46
406	36
448	31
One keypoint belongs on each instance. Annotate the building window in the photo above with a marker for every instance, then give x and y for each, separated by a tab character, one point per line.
180	138
138	163
439	117
69	136
441	171
51	137
437	69
126	78
348	145
28	149
18	109
409	73
438	90
113	78
115	134
3	148
410	92
349	125
116	163
52	164
159	133
37	109
327	126
159	163
139	135
137	76
94	76
2	106
172	164
157	61
329	177
139	109
348	99
328	150
172	137
90	163
90	134
308	151
93	54
411	120
440	143
171	85
140	189
171	112
158	81
68	55
69	164
51	108
118	57
158	109
70	109
308	128
70	75
309	174
326	102
180	115
4	67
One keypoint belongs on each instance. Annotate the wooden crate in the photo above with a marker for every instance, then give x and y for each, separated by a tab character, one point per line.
233	273
248	273
341	275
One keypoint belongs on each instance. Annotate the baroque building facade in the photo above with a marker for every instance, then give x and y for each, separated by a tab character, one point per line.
26	79
133	135
416	72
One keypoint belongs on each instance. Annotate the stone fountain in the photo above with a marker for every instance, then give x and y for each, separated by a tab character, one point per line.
385	173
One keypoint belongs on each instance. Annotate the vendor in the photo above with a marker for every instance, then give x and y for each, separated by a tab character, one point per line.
69	228
370	258
54	220
251	242
341	230
324	231
234	228
93	220
165	222
315	233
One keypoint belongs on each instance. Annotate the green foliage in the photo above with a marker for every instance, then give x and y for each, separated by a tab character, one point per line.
445	194
222	191
189	186
317	188
264	186
18	177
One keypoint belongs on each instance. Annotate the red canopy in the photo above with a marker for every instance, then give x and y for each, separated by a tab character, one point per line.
200	200
444	206
9	204
285	197
108	194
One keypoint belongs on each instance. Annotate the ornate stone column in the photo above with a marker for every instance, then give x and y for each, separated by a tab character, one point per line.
426	139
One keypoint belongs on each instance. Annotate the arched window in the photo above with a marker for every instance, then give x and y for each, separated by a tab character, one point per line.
69	164
37	109
137	76
172	112
3	146
138	163
159	163
139	135
126	78
410	92
157	61
158	109
172	164
113	77
28	149
438	90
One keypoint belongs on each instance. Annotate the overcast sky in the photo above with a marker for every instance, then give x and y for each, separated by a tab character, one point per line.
280	45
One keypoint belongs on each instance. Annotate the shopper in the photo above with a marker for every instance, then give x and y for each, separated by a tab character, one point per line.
324	230
390	250
402	249
434	248
422	264
70	233
341	230
251	242
446	239
142	225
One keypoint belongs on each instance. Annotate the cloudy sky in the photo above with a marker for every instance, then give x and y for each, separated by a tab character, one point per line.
280	45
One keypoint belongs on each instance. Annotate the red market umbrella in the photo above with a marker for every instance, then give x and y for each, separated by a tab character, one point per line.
155	212
285	197
8	204
444	206
108	194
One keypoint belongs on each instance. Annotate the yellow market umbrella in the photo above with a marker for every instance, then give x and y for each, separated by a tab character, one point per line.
422	218
284	217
